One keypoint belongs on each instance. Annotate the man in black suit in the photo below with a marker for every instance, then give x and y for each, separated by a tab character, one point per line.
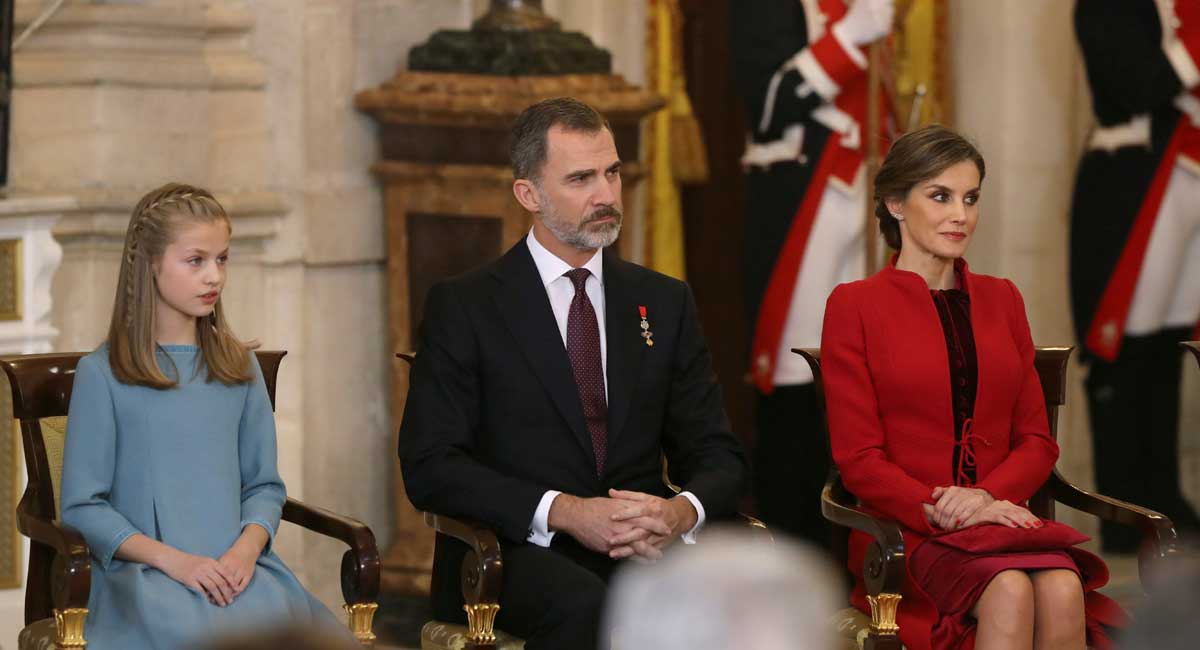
548	384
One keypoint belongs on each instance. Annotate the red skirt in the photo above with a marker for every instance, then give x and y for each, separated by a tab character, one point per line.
954	569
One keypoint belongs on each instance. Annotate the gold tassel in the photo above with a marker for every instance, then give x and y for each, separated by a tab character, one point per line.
689	156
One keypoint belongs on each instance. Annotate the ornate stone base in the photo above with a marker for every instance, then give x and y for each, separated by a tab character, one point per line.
509	53
455	99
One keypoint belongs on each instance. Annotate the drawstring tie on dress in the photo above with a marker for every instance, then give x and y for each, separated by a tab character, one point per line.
966	455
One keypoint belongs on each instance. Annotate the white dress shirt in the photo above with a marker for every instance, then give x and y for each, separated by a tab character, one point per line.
561	292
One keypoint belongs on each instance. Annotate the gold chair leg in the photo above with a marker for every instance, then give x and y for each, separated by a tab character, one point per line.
883	613
362	616
68	628
481	619
884	629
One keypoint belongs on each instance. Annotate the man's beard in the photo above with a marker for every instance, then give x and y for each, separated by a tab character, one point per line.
587	235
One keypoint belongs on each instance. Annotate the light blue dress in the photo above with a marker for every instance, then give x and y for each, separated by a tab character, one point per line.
188	466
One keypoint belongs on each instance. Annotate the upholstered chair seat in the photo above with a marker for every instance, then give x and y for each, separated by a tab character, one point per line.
38	635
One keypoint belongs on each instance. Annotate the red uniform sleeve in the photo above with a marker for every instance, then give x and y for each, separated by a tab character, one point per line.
855	429
1032	452
1187	35
830	64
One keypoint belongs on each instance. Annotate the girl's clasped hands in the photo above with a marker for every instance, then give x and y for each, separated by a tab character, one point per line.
222	579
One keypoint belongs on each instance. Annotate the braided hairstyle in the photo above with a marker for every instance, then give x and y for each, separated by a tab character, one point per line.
132	349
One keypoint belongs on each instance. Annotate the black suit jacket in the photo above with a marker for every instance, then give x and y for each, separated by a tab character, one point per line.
493	417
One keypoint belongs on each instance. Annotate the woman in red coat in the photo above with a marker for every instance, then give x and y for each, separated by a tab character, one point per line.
937	420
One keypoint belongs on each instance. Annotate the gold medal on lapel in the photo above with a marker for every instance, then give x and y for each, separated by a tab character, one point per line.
646	333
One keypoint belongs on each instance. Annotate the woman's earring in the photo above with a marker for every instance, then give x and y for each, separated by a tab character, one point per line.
897	216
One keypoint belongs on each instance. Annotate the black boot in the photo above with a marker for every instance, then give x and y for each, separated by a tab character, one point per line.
1119	432
1162	405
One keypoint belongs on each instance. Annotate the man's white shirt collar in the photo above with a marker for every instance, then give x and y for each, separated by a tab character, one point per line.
551	267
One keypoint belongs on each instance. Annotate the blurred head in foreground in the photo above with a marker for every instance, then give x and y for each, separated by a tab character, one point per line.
1166	621
728	591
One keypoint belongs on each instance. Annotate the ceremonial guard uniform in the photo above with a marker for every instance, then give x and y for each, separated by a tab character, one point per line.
1135	243
801	68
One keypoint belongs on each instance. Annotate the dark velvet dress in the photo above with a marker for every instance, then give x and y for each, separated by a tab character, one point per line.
954	578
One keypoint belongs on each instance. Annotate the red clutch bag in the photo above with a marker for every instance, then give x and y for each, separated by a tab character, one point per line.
995	538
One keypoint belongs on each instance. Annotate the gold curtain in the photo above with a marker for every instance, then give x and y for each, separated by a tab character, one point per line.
920	66
675	146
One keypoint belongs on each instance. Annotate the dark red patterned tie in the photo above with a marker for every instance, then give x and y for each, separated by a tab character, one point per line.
583	346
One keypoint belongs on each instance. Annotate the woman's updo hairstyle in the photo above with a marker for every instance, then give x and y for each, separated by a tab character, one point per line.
914	158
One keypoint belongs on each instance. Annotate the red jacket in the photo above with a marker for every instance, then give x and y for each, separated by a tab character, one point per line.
887	382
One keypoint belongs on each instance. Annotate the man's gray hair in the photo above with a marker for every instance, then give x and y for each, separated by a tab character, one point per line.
729	591
530	132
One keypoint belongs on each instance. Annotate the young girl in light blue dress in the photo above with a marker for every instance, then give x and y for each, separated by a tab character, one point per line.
169	470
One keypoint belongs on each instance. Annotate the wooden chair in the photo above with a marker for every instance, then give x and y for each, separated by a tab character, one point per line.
56	593
883	566
481	578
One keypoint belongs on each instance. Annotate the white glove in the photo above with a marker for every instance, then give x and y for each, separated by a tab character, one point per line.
866	21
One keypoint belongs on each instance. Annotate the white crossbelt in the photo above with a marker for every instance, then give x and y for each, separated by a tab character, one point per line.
1136	132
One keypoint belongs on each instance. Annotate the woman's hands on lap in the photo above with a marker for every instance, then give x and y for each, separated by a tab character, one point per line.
1005	514
956	505
962	507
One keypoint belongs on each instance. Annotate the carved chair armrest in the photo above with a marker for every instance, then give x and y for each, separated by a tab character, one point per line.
758	529
883	567
360	564
482	569
1155	527
73	562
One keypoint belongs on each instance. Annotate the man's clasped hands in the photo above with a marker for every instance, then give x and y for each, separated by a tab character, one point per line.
624	524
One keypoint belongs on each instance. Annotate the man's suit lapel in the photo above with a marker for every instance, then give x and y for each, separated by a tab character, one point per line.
625	343
527	313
